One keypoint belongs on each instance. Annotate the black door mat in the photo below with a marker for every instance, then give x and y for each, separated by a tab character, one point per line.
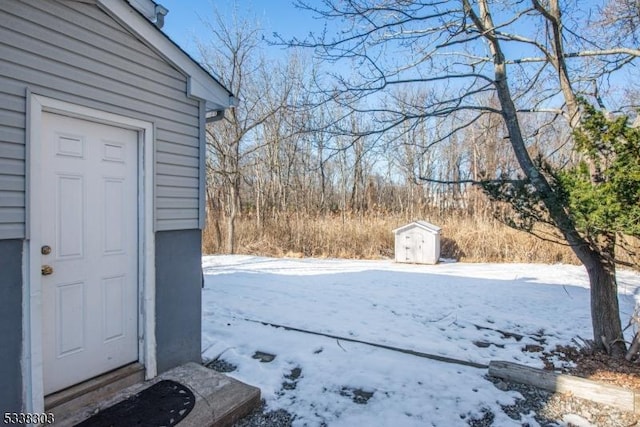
165	403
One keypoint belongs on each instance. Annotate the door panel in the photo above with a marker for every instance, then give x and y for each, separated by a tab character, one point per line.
90	220
70	315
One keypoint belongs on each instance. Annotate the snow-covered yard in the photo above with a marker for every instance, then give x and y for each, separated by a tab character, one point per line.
456	310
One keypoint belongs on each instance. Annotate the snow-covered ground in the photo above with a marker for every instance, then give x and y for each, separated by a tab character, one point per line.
440	310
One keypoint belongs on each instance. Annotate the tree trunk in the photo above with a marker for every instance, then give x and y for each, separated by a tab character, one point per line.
600	265
231	231
231	220
598	259
605	317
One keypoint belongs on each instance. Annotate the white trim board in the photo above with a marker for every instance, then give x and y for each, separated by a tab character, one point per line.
32	301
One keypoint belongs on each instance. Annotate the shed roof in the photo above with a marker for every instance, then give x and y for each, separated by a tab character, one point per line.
427	226
133	14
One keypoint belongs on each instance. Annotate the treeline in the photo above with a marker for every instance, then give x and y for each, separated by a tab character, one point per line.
295	164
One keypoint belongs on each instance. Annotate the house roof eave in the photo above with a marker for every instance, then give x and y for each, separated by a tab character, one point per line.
200	83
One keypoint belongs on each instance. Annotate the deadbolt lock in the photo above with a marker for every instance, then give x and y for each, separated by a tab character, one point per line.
45	250
47	270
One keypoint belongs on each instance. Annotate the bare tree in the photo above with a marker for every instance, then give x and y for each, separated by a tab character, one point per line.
234	52
622	19
528	56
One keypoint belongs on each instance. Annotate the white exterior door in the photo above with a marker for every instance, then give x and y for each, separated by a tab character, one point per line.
414	245
89	235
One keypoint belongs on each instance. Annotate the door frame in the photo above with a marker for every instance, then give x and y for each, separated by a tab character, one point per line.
32	364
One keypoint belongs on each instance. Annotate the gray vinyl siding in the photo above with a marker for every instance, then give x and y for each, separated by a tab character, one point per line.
12	162
75	52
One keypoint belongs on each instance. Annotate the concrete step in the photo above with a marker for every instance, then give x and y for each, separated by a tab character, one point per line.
66	403
220	400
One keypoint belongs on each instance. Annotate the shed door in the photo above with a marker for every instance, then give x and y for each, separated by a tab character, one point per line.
89	221
414	245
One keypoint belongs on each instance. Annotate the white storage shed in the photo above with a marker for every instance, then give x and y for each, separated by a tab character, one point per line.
417	242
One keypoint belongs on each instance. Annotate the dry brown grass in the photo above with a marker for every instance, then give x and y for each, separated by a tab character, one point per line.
488	240
463	238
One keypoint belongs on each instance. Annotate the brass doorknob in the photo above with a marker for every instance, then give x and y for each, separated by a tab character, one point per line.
47	270
45	250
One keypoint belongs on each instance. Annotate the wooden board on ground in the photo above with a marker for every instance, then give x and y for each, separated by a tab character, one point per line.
561	383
